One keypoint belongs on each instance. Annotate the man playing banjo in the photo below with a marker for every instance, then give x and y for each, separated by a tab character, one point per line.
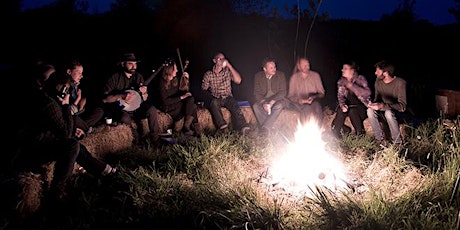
125	98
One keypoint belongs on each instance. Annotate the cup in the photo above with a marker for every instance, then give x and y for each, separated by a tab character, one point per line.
108	120
269	109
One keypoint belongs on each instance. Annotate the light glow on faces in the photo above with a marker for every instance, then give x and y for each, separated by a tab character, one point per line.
307	163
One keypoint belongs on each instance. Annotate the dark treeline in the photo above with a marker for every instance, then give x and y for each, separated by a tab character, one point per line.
424	54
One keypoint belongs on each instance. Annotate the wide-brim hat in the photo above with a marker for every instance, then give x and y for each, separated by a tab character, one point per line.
129	57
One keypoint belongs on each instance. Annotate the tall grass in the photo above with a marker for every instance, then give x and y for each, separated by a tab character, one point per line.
217	182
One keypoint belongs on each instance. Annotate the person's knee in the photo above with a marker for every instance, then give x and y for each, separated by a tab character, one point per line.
278	106
214	103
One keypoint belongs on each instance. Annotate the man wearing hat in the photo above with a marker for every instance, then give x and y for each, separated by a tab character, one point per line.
125	98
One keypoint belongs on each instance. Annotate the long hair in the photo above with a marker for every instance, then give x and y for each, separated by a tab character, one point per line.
167	71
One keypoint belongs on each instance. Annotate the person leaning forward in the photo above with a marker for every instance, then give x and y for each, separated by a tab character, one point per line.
52	136
125	99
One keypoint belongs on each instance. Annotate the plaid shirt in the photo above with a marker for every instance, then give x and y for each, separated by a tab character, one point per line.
51	119
219	84
359	87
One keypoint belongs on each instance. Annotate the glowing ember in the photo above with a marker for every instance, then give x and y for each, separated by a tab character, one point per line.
307	163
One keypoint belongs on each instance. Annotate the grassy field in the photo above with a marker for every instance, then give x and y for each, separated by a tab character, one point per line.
308	180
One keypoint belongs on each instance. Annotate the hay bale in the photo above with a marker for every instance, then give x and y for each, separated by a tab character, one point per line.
30	194
205	118
165	121
287	121
249	115
108	139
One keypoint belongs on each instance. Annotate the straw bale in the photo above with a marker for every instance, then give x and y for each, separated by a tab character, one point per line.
205	118
287	121
108	139
30	194
249	115
330	115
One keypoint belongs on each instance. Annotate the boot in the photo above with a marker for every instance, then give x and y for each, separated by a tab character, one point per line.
187	125
198	129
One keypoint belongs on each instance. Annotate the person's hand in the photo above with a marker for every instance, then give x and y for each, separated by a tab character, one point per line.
267	106
349	84
186	75
128	96
188	94
143	89
375	106
64	100
344	108
79	133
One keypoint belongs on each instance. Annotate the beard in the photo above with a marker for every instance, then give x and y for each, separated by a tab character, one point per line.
130	71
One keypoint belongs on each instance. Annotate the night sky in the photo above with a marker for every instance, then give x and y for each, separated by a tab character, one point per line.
435	11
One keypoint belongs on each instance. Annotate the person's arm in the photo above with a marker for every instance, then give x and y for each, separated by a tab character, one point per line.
320	92
236	77
341	92
168	96
293	91
258	89
280	86
110	94
61	120
205	82
360	88
401	97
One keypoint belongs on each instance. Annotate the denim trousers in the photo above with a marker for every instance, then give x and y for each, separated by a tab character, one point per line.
238	120
390	117
267	120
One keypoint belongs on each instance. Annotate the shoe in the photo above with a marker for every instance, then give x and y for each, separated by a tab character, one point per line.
109	170
264	131
188	133
245	130
382	143
198	129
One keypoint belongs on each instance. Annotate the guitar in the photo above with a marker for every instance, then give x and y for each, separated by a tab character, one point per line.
135	98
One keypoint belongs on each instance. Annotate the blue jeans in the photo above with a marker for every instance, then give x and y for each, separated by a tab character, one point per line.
393	124
265	120
238	120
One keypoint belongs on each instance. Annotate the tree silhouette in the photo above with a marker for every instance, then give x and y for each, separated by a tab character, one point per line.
455	10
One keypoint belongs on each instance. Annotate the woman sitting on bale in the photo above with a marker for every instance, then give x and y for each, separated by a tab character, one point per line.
175	99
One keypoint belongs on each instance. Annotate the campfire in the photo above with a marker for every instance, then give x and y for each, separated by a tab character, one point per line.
306	164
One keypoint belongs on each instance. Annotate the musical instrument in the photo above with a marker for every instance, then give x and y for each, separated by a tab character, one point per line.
184	84
135	98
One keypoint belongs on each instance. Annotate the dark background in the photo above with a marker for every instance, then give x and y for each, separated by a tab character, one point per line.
424	54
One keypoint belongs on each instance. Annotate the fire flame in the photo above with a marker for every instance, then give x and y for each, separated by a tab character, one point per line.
307	163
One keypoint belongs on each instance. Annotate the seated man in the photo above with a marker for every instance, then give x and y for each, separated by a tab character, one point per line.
305	91
218	83
269	95
125	99
390	102
52	136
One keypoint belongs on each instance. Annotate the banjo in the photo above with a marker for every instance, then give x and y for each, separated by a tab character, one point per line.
134	96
